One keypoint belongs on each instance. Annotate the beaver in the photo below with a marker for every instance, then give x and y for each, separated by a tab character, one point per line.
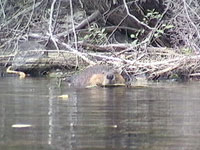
98	75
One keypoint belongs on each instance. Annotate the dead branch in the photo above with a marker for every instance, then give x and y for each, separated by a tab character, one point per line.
84	23
161	72
21	13
145	26
105	48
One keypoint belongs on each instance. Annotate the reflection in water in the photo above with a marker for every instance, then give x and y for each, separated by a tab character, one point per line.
163	116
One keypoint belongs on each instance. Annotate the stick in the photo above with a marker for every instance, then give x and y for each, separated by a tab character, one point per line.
85	22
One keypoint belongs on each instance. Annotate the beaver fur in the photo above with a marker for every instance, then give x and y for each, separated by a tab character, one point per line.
98	75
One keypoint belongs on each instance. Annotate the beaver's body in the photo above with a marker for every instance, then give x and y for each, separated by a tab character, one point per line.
99	75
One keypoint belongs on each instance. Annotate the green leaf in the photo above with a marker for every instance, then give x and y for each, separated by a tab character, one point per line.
160	31
133	36
169	26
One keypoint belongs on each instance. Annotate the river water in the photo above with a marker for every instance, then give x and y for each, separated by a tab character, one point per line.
163	116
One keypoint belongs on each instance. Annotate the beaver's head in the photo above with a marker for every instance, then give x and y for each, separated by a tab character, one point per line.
111	78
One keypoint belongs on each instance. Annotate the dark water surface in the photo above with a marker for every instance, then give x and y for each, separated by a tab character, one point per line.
164	116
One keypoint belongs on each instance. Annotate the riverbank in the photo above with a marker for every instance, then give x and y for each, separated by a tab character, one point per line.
154	63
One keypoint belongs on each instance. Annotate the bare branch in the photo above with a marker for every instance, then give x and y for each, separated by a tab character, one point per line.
51	24
137	21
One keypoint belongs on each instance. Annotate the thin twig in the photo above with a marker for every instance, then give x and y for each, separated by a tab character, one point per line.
73	26
21	13
192	23
57	13
137	21
29	20
117	26
3	11
151	34
51	23
81	25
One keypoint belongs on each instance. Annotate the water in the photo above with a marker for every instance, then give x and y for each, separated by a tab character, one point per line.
164	116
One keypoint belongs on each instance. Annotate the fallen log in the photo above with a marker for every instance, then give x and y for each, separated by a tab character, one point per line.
63	60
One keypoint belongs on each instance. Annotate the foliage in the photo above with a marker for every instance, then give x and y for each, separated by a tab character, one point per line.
151	14
160	30
96	35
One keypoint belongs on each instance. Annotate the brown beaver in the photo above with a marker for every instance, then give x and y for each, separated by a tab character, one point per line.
98	75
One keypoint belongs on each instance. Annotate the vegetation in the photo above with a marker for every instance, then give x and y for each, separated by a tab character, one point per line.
157	38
